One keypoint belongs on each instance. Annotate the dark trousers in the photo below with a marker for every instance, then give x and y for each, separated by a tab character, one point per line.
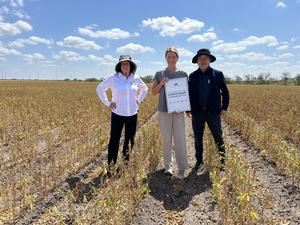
213	121
117	124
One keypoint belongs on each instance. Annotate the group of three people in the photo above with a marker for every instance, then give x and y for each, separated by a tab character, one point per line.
209	100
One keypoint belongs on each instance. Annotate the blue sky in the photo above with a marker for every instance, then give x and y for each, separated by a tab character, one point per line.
79	39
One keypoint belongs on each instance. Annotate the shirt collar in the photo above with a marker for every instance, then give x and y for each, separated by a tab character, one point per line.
167	71
206	71
123	77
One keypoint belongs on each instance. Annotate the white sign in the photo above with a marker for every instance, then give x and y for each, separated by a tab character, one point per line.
177	95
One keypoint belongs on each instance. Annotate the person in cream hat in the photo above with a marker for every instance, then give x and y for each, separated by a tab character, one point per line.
128	91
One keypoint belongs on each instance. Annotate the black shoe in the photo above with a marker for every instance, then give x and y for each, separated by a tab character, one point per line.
198	166
222	167
168	172
222	164
108	174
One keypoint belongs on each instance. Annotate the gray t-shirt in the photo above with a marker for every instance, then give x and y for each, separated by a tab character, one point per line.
162	102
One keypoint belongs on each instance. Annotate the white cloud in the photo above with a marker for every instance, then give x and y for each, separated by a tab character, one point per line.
171	26
231	65
281	5
286	55
14	28
105	60
32	40
72	56
13	8
134	48
283	47
69	56
33	57
114	33
217	42
20	15
3	11
276	68
297	47
232	47
210	29
186	65
251	56
6	51
219	57
184	52
157	63
232	68
209	36
78	42
235	29
17	3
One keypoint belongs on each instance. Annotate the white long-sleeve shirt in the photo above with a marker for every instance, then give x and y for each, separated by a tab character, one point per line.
124	93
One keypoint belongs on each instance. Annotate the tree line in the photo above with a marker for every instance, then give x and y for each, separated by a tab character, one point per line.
261	78
265	78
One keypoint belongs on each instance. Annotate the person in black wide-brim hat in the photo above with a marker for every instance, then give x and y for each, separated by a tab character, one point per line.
203	51
209	97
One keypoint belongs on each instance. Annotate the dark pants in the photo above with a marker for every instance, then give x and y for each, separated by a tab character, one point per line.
213	121
117	124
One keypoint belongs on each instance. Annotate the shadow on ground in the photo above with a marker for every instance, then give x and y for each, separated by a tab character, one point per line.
165	189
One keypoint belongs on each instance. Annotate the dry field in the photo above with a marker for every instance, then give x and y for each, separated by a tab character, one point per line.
53	139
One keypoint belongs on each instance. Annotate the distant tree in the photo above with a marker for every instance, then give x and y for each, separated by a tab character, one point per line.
297	79
272	80
238	79
248	78
147	79
263	78
91	79
285	77
67	79
228	80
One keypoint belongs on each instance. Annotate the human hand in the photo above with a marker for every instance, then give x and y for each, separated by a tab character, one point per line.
223	113
164	81
112	105
189	114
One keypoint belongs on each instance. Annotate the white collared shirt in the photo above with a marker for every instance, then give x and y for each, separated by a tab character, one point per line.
124	93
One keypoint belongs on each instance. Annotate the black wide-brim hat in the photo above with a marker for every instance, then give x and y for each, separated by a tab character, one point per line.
123	58
203	51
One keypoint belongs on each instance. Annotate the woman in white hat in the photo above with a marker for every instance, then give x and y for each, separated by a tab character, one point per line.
172	125
124	105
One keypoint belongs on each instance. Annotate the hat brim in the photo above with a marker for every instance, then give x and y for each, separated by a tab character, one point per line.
212	57
133	66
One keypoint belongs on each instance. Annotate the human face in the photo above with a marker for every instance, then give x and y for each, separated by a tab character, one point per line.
125	67
203	61
171	59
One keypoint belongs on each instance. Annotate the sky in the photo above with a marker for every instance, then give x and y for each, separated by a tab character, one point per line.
58	39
